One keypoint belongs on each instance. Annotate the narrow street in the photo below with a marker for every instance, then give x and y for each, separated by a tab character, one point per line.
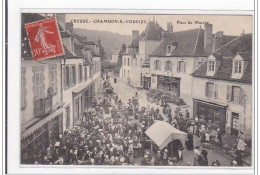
126	92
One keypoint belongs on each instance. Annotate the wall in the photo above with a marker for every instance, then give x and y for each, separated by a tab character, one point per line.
186	78
125	68
244	111
114	58
27	114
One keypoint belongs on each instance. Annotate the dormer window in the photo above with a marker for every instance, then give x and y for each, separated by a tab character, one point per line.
169	49
237	67
211	66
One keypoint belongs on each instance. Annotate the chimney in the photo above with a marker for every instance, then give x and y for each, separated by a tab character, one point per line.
217	41
169	27
61	20
69	26
135	34
208	38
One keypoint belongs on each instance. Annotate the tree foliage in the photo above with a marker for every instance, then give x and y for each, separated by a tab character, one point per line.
101	50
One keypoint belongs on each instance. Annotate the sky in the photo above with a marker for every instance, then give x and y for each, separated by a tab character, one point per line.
229	24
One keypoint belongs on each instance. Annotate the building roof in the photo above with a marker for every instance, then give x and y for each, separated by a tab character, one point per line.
66	34
116	52
188	43
241	45
91	43
78	49
151	32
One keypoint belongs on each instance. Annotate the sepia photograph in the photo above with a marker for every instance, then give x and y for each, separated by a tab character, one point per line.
136	90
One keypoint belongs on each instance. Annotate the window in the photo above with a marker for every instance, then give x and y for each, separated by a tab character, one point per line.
181	67
68	117
67	77
85	73
125	61
229	95
74	77
211	66
169	49
235	124
211	90
237	67
80	73
72	44
53	80
157	65
168	66
38	85
124	73
128	61
236	94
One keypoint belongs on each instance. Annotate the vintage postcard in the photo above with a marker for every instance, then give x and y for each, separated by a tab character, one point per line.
136	90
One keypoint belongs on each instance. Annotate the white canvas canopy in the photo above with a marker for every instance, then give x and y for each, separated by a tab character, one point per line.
162	133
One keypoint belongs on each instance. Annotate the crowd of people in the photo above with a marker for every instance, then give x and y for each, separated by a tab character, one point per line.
113	133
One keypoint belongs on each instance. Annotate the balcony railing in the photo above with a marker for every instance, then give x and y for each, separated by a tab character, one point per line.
43	106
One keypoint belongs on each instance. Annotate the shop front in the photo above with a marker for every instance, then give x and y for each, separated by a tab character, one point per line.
146	82
40	135
167	83
208	111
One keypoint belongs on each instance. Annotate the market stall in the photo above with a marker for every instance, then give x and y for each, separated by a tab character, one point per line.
162	133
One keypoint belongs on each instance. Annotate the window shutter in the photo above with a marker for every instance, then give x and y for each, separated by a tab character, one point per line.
79	73
171	66
70	73
159	65
154	64
165	66
76	75
184	66
241	96
64	78
216	91
178	68
206	90
228	93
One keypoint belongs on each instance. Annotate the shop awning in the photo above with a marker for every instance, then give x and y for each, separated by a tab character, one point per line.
32	129
162	133
211	102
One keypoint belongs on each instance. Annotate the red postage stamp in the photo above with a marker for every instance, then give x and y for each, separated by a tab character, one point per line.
44	39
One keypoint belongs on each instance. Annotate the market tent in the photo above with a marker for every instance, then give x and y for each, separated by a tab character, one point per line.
162	133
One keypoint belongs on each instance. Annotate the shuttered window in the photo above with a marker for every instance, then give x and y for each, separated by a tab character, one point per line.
168	66
210	90
236	94
53	79
39	85
85	73
157	65
229	93
73	75
80	73
181	67
66	76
